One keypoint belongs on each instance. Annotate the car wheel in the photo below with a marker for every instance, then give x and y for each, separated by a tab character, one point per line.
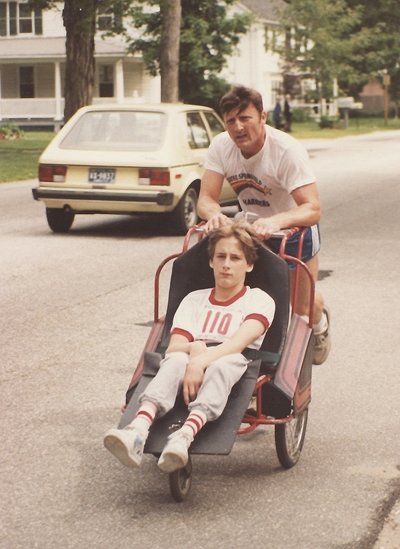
185	214
59	220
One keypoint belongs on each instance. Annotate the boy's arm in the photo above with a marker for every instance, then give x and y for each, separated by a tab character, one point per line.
248	332
179	343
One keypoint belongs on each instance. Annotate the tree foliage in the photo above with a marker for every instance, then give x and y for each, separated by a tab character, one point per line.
376	40
318	40
352	40
208	36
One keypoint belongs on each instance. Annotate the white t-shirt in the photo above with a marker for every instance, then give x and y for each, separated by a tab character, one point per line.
200	317
263	182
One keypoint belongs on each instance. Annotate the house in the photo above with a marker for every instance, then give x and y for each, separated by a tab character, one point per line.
32	63
255	63
373	97
32	67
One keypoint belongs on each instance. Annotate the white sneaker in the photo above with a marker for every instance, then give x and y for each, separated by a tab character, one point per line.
175	454
322	342
126	445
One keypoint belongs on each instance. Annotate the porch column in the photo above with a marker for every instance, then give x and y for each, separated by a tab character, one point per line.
57	91
119	81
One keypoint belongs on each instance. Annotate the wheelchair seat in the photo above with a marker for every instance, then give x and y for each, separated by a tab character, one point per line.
191	271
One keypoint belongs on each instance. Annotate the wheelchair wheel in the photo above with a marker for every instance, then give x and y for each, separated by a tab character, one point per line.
180	482
289	439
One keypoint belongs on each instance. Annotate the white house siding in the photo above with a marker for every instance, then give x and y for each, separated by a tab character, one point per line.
9	81
44	80
53	22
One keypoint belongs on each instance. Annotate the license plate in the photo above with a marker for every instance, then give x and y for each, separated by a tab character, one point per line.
101	175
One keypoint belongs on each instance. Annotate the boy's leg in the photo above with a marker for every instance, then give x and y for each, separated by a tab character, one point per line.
127	444
210	402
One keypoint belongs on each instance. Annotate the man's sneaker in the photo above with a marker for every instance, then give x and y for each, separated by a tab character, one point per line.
322	342
126	445
175	454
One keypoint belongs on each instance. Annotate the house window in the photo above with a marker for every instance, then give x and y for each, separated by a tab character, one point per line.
266	38
106	81
18	19
105	20
109	18
26	82
25	20
3	19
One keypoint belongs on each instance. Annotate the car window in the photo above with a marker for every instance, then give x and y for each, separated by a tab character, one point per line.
215	124
117	130
196	131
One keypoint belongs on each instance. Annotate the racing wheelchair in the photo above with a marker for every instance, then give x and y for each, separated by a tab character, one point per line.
277	380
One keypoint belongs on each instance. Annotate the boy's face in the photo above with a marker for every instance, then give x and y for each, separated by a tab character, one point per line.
229	264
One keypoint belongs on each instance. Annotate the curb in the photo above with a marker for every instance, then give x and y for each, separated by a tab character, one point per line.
389	538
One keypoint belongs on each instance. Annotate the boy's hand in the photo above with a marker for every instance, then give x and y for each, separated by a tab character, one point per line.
192	382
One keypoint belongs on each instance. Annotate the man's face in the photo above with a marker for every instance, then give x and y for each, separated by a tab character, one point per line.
247	129
229	264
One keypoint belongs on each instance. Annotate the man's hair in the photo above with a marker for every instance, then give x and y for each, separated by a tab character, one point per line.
240	97
243	232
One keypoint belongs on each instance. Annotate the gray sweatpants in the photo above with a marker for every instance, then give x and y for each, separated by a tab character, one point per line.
219	378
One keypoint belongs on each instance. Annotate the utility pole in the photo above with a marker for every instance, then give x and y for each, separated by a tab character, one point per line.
386	84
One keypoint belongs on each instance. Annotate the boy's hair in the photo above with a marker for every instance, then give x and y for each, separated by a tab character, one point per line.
240	97
243	232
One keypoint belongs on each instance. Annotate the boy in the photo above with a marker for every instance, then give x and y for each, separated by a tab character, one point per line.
230	316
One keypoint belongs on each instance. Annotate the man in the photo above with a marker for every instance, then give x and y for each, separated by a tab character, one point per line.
271	174
231	317
287	113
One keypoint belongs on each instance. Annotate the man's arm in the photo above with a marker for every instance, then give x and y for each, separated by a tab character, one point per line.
208	206
307	212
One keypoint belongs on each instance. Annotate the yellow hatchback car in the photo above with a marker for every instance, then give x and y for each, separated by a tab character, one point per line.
128	159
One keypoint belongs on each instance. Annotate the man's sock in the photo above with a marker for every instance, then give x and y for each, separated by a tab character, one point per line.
322	325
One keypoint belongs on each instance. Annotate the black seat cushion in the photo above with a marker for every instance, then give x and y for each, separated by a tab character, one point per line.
191	271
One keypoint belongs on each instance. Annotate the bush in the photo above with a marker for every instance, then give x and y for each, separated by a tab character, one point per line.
328	122
300	115
10	131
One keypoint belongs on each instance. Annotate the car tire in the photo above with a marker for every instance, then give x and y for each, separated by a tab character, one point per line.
185	214
60	221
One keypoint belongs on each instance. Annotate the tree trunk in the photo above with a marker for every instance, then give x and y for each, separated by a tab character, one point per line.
80	24
169	45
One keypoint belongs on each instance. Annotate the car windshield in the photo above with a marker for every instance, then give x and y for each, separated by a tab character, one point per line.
117	130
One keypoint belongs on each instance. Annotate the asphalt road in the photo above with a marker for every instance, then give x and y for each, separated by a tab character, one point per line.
75	315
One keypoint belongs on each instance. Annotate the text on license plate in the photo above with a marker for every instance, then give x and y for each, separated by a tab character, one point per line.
101	175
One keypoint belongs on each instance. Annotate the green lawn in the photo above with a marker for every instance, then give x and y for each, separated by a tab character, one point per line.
357	126
19	157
